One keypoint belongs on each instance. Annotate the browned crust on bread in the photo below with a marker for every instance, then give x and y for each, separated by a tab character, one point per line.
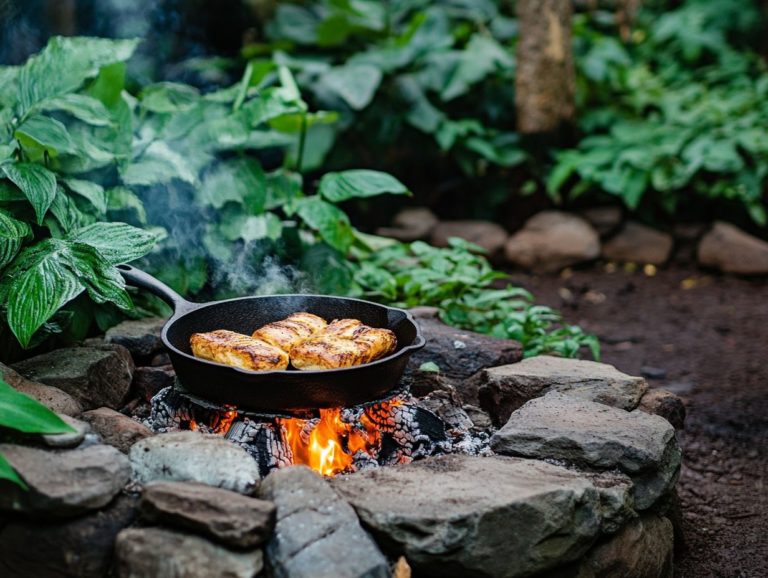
291	331
344	343
238	350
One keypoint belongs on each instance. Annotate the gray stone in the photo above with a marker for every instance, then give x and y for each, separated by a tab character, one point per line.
636	243
617	499
149	380
643	549
189	456
605	220
558	426
227	517
447	406
468	516
666	404
410	224
81	547
94	376
116	429
51	397
481	420
139	336
731	250
317	533
460	354
551	240
504	389
64	483
68	439
155	552
485	234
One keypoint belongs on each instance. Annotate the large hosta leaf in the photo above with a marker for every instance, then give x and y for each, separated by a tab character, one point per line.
45	133
81	106
355	83
92	192
12	233
116	242
20	412
65	64
328	220
36	182
337	187
51	273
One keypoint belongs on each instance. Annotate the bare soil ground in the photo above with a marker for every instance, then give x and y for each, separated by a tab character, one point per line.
704	337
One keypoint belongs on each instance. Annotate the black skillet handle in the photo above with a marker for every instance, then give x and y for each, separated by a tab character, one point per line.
139	278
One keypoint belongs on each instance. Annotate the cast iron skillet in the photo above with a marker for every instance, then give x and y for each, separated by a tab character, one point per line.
287	390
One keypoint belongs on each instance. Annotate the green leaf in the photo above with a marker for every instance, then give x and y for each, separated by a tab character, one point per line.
240	181
158	165
293	123
65	64
12	234
90	191
337	187
108	86
46	133
166	97
20	412
356	84
8	82
8	473
116	242
81	106
271	103
123	202
51	273
328	220
36	182
430	367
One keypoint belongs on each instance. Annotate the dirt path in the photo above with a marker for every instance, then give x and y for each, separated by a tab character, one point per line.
705	338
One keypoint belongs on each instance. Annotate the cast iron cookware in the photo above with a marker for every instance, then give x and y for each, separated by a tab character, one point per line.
286	390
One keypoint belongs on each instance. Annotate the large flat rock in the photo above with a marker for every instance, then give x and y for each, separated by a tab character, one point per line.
468	516
317	534
157	552
227	517
459	354
731	250
504	389
189	456
644	548
51	397
593	435
551	240
116	429
94	376
81	546
139	336
64	483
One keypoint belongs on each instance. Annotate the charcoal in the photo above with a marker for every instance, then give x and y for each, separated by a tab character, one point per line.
406	430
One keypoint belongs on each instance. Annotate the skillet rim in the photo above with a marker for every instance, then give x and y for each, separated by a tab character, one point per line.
181	312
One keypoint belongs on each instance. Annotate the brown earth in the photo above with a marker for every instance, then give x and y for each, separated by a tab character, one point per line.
705	337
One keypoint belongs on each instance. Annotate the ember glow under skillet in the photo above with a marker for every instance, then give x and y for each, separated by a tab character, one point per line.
285	390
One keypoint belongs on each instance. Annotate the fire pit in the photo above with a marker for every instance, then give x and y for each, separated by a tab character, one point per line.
331	441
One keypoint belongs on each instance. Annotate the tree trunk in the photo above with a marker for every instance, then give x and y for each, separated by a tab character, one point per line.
545	78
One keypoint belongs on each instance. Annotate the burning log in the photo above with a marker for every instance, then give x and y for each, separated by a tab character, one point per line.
333	441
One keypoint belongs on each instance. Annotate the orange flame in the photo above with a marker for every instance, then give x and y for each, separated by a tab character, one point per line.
331	444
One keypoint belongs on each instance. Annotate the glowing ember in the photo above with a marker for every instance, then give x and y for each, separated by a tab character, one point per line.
328	444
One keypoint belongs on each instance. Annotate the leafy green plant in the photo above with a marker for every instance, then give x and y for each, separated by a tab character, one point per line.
20	413
461	283
62	117
657	130
201	168
414	80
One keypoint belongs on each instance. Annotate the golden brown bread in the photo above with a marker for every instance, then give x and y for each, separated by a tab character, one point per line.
238	350
344	343
291	331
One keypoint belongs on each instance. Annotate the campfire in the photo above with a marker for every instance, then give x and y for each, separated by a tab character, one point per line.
330	441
